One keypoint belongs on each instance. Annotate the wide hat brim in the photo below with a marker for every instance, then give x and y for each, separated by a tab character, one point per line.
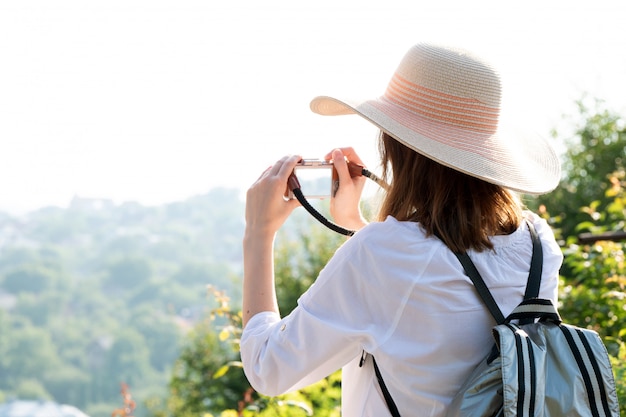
510	157
455	123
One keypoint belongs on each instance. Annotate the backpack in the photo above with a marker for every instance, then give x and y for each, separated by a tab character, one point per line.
538	366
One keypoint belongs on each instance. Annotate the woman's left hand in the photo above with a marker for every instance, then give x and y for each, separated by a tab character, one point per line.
266	207
344	204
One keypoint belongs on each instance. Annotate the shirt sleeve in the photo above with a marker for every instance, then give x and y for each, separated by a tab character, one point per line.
284	355
327	329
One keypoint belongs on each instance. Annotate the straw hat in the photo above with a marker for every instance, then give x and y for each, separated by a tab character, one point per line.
445	104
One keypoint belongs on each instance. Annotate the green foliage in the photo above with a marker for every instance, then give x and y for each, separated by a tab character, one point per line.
96	294
4	345
594	281
206	377
28	278
28	351
199	273
299	256
593	294
31	389
591	199
128	272
595	150
204	372
126	360
320	399
159	333
619	367
593	285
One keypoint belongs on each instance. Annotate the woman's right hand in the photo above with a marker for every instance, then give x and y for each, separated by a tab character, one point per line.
344	204
266	207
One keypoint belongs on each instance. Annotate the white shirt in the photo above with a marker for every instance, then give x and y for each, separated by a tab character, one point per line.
404	298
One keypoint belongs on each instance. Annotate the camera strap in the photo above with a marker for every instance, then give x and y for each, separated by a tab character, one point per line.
319	216
294	185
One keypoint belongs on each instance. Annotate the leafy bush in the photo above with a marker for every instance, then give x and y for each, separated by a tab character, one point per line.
593	285
595	148
207	377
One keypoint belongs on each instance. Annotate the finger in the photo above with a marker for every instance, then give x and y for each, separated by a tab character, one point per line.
278	165
287	166
329	155
351	155
264	173
261	177
340	164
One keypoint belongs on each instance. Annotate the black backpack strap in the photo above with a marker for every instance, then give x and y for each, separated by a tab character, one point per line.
532	291
481	287
391	405
536	268
532	286
536	265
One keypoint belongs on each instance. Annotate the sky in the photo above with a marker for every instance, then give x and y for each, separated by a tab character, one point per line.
156	101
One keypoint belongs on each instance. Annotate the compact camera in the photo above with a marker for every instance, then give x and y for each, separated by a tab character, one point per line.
316	177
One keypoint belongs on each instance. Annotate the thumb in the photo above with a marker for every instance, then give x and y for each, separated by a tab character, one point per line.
340	164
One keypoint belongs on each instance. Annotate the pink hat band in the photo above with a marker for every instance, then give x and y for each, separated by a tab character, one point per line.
466	113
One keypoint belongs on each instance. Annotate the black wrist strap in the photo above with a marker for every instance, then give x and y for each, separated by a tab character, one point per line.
532	291
297	192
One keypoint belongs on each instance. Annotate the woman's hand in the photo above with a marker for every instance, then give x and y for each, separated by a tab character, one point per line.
266	207
344	204
266	211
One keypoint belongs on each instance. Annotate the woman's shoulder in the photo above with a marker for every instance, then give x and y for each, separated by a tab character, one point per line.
546	234
542	227
390	234
390	228
392	223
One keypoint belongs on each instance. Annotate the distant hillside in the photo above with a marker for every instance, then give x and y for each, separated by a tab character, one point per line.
97	293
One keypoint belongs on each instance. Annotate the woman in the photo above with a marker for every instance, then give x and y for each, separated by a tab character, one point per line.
394	290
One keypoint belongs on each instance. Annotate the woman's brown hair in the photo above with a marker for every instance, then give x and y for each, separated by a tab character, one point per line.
464	211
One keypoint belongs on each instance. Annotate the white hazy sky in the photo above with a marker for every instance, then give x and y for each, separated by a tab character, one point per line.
155	101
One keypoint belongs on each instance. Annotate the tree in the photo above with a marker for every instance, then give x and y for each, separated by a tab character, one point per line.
5	336
29	353
161	334
129	272
58	261
40	308
128	361
195	389
207	378
201	274
29	278
596	150
593	284
67	384
31	389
